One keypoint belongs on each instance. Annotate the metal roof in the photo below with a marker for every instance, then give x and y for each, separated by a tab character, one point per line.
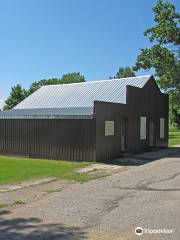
78	95
48	113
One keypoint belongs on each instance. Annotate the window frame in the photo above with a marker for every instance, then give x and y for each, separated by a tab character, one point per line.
143	128
162	128
109	128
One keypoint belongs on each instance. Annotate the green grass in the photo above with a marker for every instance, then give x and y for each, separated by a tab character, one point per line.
3	205
14	169
19	202
54	190
174	136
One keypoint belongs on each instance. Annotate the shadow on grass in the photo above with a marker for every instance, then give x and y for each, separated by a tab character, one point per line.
33	229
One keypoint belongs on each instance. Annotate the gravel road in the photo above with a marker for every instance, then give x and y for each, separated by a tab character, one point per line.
146	196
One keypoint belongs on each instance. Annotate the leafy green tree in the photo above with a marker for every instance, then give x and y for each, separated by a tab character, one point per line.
124	72
36	85
164	55
74	77
17	94
66	78
174	107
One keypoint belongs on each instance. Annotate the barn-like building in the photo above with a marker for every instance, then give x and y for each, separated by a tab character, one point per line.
89	121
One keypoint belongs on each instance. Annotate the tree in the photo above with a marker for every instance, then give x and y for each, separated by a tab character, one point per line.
66	78
36	85
174	107
17	94
164	55
124	72
74	77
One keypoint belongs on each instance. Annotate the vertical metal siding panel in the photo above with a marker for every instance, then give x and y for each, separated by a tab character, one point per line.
80	156
60	155
6	134
10	133
84	137
57	139
16	136
20	140
87	139
82	145
89	142
83	142
3	130
51	152
19	143
2	134
32	138
22	136
6	139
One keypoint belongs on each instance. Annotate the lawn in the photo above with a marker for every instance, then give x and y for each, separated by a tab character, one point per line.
13	169
174	136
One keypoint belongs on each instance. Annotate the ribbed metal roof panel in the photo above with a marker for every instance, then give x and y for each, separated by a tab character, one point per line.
81	94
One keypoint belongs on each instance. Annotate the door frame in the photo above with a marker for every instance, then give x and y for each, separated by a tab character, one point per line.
123	134
151	132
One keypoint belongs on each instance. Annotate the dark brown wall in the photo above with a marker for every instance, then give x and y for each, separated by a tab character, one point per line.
85	140
148	102
52	139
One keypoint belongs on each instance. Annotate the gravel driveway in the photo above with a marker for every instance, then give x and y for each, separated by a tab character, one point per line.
146	196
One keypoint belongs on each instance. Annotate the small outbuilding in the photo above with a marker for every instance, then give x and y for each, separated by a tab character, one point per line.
89	121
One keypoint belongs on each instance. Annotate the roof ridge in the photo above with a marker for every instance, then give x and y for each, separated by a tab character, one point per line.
88	82
82	94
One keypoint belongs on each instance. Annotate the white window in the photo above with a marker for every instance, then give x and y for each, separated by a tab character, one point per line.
162	125
142	128
109	128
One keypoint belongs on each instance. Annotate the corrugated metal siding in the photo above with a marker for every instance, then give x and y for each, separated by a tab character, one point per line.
81	94
147	102
52	139
48	113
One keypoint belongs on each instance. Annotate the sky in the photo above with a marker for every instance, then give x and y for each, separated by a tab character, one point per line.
48	38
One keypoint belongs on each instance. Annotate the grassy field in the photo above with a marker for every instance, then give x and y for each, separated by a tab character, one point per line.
13	169
174	136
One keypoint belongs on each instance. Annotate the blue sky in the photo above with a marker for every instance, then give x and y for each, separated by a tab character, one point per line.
47	38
